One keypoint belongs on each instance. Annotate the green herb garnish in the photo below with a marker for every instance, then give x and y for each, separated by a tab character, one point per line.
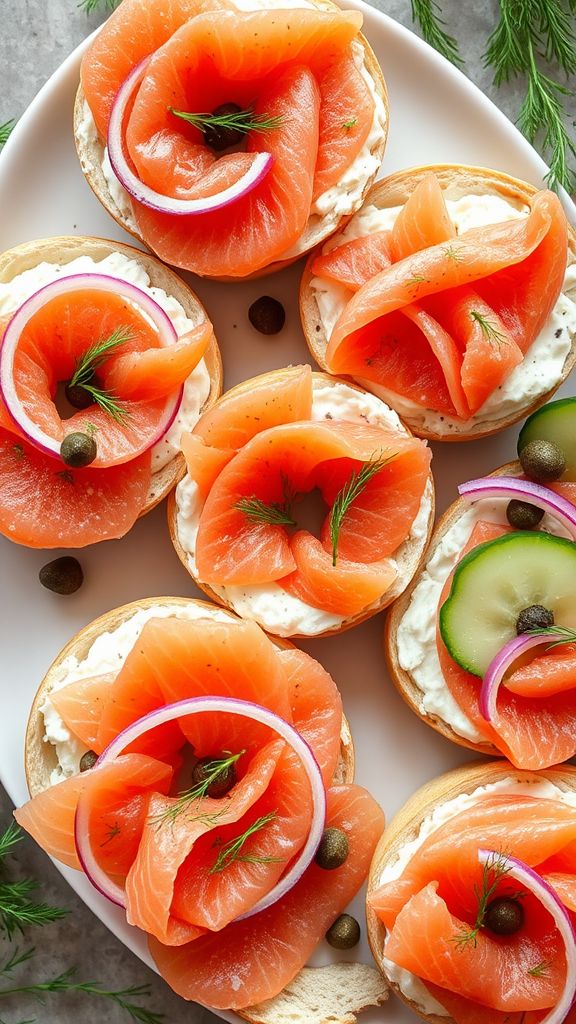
540	970
428	15
188	797
92	5
6	130
348	494
243	121
488	327
347	125
259	511
18	909
564	634
232	851
88	363
494	870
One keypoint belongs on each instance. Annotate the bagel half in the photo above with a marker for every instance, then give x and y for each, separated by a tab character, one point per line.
413	553
405	827
91	151
337	992
66	248
458	180
404	680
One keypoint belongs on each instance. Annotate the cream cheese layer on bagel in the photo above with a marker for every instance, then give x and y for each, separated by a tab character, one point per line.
43	273
328	411
434	818
252	745
475	200
446	696
328	210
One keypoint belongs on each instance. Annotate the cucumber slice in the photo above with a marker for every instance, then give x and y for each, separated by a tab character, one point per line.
494	582
554	422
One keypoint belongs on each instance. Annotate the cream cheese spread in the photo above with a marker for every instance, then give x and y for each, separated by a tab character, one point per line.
411	986
107	654
268	604
416	635
542	366
196	388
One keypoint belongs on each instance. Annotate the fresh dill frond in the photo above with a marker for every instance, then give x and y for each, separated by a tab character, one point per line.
11	835
540	970
92	5
351	123
494	870
90	361
488	327
526	35
232	850
451	253
243	121
427	14
259	511
65	983
564	634
113	831
6	130
213	770
347	496
18	911
15	959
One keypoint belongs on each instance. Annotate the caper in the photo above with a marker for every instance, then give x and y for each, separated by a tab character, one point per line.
535	616
344	933
522	515
78	449
78	396
504	916
267	315
221	783
333	849
88	760
543	461
63	576
219	137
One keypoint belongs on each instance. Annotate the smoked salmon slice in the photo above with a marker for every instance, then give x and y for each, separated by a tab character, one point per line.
252	960
537	727
158	372
316	707
355	262
80	706
346	110
489	290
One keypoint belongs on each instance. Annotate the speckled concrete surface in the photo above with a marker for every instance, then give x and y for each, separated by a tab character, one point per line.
36	36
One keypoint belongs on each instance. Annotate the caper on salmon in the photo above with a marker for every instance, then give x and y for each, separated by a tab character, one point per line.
220	137
535	616
522	515
504	916
221	782
344	933
543	461
78	396
267	315
78	449
63	575
88	760
333	849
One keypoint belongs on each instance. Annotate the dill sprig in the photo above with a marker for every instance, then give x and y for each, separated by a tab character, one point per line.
351	490
6	130
211	772
427	14
540	970
525	32
259	511
564	634
17	908
64	982
243	121
493	871
92	5
90	361
488	328
232	851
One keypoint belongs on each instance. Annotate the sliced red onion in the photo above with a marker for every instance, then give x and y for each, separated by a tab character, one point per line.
99	879
548	899
142	193
500	664
229	706
523	490
62	286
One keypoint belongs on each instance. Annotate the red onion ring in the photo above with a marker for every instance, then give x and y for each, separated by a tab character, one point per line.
524	490
199	705
61	286
546	896
142	193
502	661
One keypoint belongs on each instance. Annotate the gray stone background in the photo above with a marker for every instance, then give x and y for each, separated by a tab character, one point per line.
36	36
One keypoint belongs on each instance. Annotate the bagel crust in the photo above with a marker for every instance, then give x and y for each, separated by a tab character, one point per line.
66	248
394	191
405	827
316	232
417	552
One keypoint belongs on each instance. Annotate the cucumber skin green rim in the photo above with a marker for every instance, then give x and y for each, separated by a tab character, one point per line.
541	413
537	537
